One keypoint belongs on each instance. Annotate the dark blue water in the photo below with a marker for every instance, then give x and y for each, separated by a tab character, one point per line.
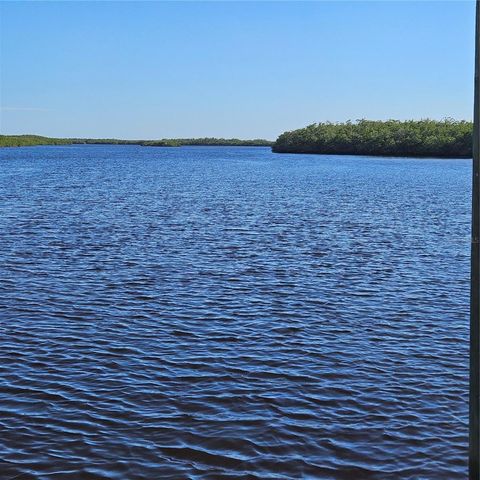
229	313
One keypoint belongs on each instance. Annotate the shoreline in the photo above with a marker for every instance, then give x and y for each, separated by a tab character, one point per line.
426	138
377	155
38	140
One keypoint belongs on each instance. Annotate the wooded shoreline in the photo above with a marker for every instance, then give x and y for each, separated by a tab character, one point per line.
393	138
423	138
37	140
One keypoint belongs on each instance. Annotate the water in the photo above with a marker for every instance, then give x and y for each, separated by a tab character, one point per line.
229	313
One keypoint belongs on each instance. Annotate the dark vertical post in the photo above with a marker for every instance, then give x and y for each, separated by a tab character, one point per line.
474	420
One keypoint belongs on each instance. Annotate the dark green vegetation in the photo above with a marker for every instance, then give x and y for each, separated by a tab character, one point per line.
424	138
226	142
31	140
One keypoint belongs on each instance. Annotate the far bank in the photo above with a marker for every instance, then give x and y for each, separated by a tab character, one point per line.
393	138
33	140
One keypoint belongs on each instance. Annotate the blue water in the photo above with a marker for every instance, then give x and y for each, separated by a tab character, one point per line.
229	313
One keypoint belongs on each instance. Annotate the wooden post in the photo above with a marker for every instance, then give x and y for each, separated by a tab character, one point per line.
474	419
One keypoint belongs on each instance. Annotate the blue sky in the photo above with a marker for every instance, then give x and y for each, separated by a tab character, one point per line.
229	69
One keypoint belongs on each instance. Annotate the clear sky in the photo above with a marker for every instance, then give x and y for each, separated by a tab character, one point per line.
229	69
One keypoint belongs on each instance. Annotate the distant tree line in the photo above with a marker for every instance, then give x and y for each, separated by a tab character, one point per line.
31	140
424	138
227	142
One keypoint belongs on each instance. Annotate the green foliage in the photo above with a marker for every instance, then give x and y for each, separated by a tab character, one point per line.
227	142
31	140
424	138
161	143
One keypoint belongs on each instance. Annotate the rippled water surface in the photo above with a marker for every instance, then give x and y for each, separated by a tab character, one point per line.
229	313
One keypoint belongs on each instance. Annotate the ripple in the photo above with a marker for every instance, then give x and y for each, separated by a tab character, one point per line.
228	313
